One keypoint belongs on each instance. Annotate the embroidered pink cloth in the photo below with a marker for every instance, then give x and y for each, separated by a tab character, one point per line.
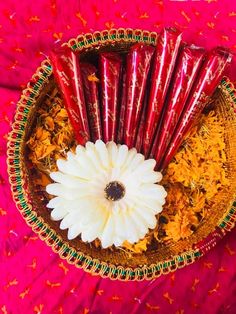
32	278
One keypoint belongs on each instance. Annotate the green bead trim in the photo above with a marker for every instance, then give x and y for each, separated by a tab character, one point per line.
231	92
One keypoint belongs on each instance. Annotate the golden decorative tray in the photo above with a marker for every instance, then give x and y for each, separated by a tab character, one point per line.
115	264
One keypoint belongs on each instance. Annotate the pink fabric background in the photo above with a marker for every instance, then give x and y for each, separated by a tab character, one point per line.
32	278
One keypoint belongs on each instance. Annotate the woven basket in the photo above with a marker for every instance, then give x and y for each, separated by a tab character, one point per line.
106	263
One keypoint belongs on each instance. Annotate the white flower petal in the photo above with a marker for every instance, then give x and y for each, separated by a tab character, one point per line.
59	213
103	154
131	184
86	164
74	231
147	216
123	233
86	210
116	207
80	149
106	236
87	216
137	160
112	153
153	204
118	241
120	233
55	201
92	232
138	221
89	146
123	205
115	174
71	167
61	164
151	177
93	156
69	220
59	202
130	157
122	155
70	156
67	180
57	189
131	229
66	192
153	190
145	166
131	202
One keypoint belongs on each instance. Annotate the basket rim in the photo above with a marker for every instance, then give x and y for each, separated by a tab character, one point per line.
37	223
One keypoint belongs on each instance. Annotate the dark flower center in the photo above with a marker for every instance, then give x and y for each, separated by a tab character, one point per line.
114	191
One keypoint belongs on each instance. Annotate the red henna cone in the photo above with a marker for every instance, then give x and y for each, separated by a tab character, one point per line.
167	48
207	81
110	64
188	66
138	65
120	135
66	70
90	83
139	138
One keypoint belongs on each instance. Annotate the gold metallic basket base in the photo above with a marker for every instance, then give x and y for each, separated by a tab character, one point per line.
115	263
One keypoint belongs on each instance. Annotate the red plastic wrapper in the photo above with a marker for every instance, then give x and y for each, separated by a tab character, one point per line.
167	49
110	65
207	81
139	138
90	83
188	66
67	73
138	65
120	134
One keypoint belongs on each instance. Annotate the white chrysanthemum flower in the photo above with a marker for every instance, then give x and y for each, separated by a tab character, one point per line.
108	192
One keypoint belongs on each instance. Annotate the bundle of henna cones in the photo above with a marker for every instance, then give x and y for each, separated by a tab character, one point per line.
148	98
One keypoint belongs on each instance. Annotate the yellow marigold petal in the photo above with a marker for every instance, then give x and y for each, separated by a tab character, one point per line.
93	78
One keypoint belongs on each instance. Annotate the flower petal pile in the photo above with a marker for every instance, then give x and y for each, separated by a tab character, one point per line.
84	205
